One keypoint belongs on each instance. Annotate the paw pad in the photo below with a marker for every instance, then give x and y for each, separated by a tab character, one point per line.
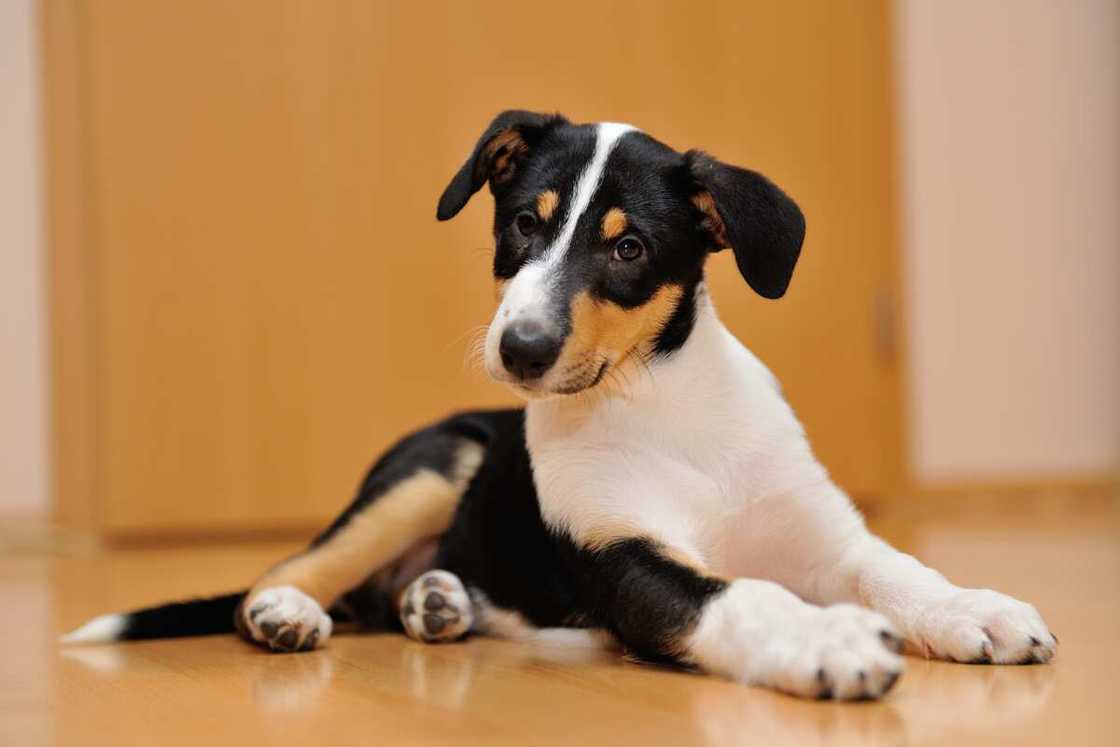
435	607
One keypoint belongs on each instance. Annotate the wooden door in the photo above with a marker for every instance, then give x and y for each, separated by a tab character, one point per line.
252	296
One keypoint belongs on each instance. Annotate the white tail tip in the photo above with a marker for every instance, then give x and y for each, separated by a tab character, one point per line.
103	629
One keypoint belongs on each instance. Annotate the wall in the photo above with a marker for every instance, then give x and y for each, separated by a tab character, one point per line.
23	463
1011	179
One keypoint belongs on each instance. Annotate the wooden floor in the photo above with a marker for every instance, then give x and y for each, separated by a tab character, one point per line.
383	689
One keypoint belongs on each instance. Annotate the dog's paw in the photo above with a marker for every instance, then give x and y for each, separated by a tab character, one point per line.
843	652
759	633
435	607
285	619
980	626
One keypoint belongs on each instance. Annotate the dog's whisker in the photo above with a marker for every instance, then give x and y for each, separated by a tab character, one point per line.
613	375
475	358
619	375
474	354
468	334
644	362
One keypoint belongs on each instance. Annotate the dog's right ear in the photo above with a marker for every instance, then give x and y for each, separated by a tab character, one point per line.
503	145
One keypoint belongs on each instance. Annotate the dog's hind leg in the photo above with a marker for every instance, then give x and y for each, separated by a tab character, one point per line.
378	544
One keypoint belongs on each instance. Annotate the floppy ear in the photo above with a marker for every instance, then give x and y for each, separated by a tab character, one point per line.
745	211
495	157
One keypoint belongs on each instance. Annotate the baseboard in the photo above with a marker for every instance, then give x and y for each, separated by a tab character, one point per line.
37	534
1082	492
202	536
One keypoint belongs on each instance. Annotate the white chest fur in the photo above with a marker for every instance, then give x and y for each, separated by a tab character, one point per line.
691	452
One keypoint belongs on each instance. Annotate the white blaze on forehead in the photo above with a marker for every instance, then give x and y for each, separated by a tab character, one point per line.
607	135
527	293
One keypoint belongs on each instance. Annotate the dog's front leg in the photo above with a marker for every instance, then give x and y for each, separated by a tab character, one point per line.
839	560
941	619
664	607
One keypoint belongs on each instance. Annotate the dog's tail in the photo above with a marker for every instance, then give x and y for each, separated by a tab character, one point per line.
174	620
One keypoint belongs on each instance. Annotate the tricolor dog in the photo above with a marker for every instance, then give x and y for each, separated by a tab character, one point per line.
656	491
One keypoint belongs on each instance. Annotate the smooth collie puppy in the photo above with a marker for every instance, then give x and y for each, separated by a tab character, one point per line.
657	491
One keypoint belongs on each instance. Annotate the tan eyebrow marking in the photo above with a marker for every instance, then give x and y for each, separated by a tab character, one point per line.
546	204
614	223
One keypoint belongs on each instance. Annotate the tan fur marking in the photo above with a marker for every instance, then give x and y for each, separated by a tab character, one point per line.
501	149
605	331
713	223
414	509
546	204
606	534
614	223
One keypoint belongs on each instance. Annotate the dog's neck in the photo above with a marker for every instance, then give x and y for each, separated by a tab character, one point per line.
685	378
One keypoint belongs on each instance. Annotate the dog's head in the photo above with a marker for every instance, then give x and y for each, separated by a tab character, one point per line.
601	236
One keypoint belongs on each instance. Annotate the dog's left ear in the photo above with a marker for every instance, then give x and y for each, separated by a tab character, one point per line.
744	211
495	157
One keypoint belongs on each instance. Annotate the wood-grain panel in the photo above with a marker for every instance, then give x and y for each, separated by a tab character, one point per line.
268	300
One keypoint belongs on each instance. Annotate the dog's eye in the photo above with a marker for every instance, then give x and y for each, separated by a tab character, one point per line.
527	223
627	249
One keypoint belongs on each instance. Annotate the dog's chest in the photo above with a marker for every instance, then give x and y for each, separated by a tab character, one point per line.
698	445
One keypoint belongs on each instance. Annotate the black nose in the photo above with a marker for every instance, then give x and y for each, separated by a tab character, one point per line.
527	350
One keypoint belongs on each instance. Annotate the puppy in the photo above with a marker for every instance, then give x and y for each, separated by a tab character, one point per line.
656	491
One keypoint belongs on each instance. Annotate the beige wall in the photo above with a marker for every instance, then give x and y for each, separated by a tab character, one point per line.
23	470
1011	175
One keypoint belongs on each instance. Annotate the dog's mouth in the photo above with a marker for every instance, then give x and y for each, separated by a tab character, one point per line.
570	387
572	380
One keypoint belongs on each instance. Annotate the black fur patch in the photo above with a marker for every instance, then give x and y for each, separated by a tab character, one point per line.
649	601
677	330
179	619
645	179
498	541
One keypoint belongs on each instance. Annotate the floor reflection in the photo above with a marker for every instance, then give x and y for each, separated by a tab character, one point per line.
756	717
290	683
443	680
934	700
